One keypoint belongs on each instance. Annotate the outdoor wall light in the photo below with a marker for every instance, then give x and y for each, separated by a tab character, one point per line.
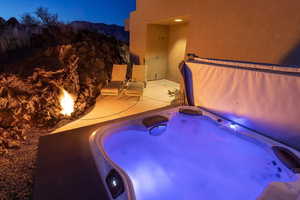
178	20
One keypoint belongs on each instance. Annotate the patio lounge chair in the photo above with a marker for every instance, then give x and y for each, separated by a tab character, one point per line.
117	83
138	81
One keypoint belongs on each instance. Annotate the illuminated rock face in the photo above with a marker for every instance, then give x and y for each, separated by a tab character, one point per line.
31	79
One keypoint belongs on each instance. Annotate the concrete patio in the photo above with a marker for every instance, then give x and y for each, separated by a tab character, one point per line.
112	107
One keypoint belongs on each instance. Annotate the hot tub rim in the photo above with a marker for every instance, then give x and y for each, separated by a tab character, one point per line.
99	136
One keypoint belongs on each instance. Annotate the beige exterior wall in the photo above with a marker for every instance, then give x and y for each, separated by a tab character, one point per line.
126	24
259	31
176	50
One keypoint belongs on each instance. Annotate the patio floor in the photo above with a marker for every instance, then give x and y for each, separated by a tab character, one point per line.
112	107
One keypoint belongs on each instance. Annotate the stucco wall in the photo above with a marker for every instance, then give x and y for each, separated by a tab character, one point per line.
138	33
176	50
259	31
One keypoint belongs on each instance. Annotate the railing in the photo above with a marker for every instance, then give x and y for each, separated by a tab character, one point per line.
192	56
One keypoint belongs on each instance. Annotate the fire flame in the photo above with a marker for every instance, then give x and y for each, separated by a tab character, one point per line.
66	102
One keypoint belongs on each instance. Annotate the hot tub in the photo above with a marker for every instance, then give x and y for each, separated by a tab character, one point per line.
189	156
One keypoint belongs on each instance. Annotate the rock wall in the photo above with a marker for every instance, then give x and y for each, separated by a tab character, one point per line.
31	75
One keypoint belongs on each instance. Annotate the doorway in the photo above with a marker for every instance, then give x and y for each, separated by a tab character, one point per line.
166	48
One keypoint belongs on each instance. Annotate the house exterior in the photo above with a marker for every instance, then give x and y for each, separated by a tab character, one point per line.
163	31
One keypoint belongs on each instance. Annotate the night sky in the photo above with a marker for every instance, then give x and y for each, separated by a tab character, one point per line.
106	11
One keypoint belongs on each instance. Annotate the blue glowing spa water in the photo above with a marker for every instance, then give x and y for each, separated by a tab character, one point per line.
194	159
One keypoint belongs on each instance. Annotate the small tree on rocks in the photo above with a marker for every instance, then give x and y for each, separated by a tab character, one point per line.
46	17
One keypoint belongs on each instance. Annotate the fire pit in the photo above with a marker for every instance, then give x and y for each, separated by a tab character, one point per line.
52	80
66	102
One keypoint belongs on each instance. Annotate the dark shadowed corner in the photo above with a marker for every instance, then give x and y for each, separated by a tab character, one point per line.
292	57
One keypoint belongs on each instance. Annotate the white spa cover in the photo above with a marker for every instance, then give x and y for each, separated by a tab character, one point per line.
262	97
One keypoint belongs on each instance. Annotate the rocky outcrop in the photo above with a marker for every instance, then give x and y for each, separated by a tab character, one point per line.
12	22
31	79
111	30
14	35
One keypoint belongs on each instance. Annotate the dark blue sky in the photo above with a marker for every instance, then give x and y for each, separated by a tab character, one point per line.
106	11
